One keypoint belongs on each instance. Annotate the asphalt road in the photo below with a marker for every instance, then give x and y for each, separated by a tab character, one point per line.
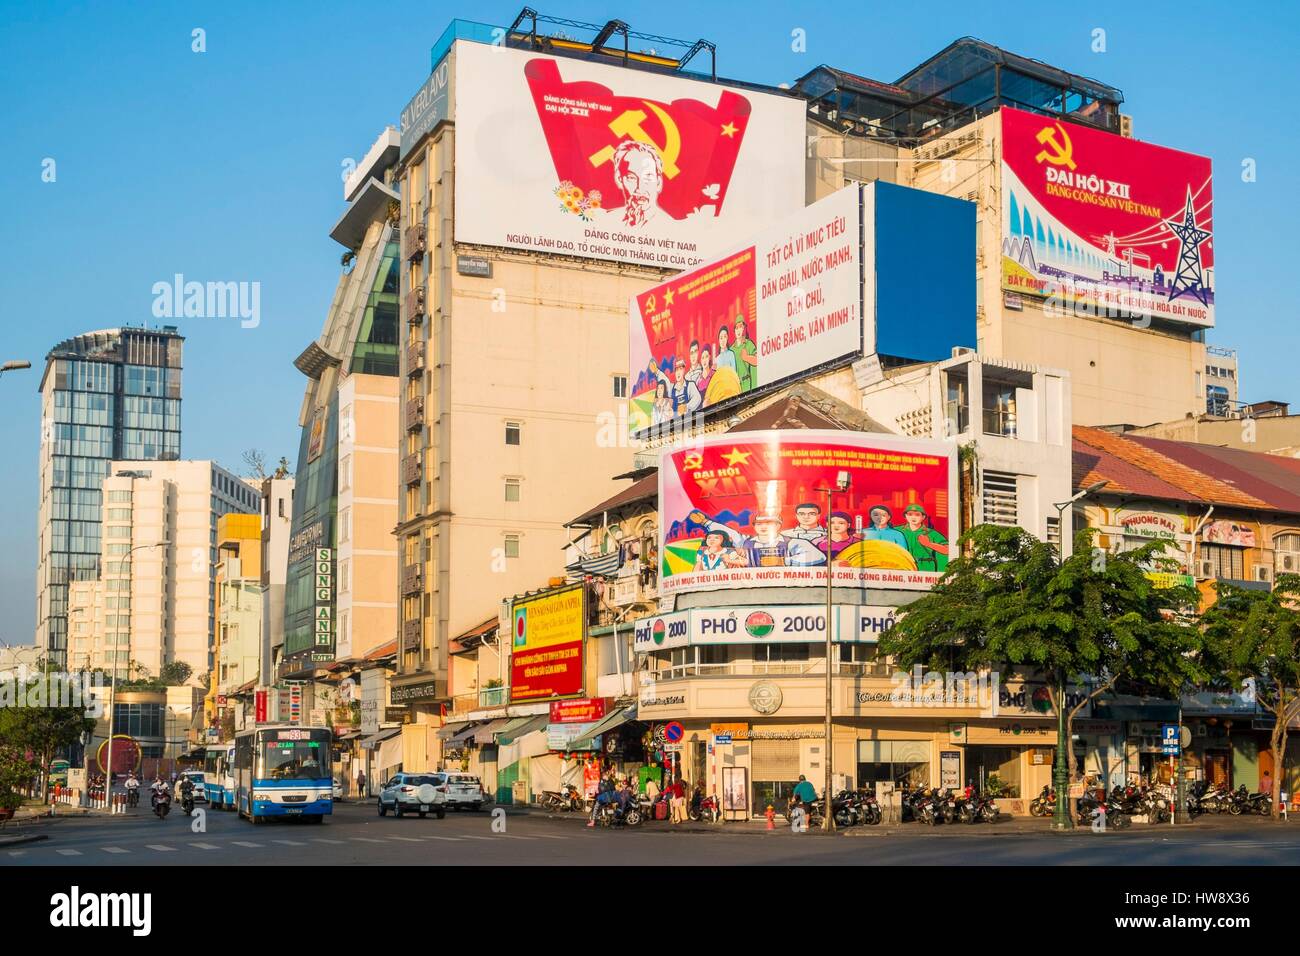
356	835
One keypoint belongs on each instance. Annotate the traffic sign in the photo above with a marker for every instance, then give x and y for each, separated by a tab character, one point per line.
1170	739
722	739
674	732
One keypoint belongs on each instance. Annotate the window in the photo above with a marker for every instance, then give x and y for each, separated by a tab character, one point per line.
512	546
345	525
345	568
345	473
956	403
1227	562
512	433
512	489
620	386
119	514
1286	549
281	506
905	763
1000	499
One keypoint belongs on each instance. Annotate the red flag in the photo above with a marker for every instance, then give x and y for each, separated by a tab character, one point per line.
646	157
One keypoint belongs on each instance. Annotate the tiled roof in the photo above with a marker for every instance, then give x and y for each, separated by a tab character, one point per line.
1185	471
644	489
382	651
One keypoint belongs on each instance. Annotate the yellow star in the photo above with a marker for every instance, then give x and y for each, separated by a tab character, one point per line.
668	297
737	457
729	130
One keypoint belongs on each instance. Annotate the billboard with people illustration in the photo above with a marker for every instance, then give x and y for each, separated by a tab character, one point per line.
751	510
559	155
789	300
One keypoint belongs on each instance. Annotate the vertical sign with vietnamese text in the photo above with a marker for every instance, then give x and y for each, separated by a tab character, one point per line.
323	581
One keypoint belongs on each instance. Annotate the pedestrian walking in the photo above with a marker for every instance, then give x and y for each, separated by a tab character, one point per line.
679	800
361	784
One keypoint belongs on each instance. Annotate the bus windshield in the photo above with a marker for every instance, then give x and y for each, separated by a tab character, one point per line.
294	760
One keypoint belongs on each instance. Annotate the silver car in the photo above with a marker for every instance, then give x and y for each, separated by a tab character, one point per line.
464	791
421	793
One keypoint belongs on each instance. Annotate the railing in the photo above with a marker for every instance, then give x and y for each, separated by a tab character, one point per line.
412	469
414	304
414	357
493	696
412	580
414	240
463	704
413	630
414	413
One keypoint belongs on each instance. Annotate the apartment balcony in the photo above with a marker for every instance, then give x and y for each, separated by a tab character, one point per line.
414	304
415	357
493	697
412	631
633	589
414	414
462	705
412	469
412	583
415	240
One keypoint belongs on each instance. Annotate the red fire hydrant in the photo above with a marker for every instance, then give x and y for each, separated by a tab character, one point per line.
771	817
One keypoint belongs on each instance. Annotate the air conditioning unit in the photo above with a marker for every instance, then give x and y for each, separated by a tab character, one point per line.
1126	126
1288	563
1263	573
1204	570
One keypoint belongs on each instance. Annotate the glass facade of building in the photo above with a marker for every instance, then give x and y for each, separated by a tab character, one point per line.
372	351
107	395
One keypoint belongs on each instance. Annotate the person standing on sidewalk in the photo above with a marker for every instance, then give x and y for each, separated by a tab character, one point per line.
361	784
679	800
805	795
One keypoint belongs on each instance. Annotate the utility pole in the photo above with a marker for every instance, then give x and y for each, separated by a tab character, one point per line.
842	481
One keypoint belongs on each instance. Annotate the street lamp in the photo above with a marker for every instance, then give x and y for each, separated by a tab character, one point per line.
1062	819
842	482
112	683
14	364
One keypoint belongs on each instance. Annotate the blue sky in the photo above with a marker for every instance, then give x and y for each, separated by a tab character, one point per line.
225	165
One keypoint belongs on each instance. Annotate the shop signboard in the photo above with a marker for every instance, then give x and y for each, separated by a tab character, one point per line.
1102	224
584	710
950	769
560	736
748	510
1150	524
566	156
1229	532
763	624
547	648
661	632
788	300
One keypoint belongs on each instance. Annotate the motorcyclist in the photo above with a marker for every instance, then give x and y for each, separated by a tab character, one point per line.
132	788
158	789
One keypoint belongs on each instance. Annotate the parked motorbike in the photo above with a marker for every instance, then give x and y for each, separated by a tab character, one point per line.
613	814
1043	805
704	807
566	800
814	813
1261	803
1091	805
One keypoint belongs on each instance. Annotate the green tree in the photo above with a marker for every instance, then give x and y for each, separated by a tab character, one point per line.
175	673
1255	635
16	774
1009	603
46	719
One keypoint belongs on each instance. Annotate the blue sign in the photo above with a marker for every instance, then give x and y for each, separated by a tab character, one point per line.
722	739
1170	739
674	732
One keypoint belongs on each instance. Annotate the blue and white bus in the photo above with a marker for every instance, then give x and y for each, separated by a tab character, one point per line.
219	776
283	770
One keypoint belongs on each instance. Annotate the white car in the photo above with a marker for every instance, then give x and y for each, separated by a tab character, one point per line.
464	790
421	793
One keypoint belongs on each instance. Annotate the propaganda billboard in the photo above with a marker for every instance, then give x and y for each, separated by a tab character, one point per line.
1097	221
546	649
788	301
749	510
585	159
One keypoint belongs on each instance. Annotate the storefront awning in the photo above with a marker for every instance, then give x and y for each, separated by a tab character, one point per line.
462	737
611	722
522	727
374	740
485	735
453	728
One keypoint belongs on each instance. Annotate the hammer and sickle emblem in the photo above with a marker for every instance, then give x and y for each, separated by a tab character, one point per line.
693	460
628	123
1060	155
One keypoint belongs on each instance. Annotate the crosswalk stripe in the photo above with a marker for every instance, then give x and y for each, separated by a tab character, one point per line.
206	846
161	848
68	852
245	843
114	849
289	842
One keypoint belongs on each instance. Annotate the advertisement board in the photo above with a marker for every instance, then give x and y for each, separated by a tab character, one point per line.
788	301
762	624
750	510
546	651
585	710
1100	222
561	155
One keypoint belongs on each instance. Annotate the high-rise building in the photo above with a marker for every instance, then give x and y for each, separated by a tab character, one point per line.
109	395
341	559
236	651
277	521
159	559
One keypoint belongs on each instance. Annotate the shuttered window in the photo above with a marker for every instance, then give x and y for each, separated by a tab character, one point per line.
1000	499
775	759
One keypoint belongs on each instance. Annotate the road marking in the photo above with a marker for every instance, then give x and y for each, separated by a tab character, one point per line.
406	839
206	846
365	840
68	852
17	852
160	847
113	849
289	842
323	840
448	839
469	837
547	836
509	836
245	843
